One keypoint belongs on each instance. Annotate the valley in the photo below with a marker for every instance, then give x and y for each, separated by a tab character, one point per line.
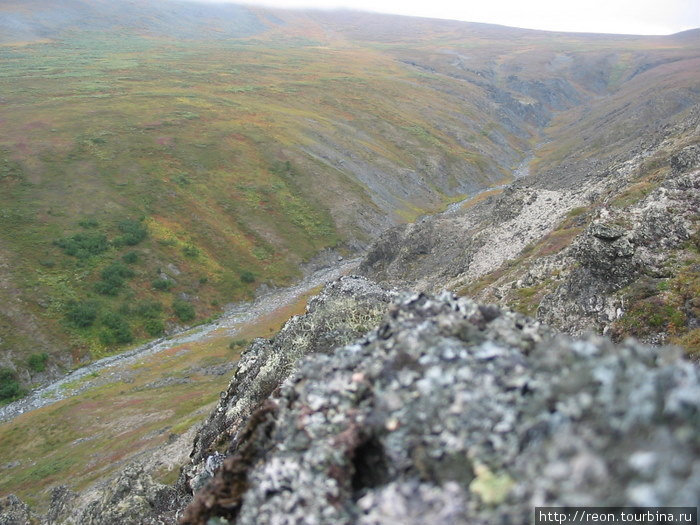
188	369
182	186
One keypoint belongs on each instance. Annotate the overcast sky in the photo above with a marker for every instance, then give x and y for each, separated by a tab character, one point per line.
603	16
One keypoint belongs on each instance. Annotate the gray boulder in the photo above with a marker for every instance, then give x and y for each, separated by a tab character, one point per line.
455	412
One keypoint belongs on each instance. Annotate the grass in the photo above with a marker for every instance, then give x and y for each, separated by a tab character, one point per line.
555	241
83	439
633	194
665	306
528	298
212	158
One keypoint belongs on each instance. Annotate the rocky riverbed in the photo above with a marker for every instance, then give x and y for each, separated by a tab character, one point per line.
235	316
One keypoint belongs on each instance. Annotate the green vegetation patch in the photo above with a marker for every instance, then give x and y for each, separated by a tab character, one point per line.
117	330
650	316
131	257
10	388
162	285
37	362
133	232
527	299
83	245
184	310
247	277
81	314
664	306
154	327
633	194
112	278
148	309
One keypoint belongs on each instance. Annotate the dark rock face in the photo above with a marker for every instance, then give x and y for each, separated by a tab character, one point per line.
454	412
611	256
605	252
607	232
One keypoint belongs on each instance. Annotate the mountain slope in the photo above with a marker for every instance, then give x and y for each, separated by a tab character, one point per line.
148	180
604	240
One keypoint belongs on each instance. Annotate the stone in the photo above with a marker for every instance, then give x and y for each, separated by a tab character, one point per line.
464	412
13	511
607	232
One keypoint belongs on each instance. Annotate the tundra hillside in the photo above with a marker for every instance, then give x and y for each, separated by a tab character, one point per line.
158	161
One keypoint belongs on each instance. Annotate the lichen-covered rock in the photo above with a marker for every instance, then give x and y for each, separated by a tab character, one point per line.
609	257
133	498
344	310
607	232
62	509
605	251
687	159
455	412
13	511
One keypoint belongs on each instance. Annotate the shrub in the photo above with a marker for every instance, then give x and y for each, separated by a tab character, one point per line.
237	343
81	314
183	310
109	286
37	362
10	389
133	232
247	277
107	338
148	309
118	330
154	327
190	250
83	245
123	335
113	278
117	269
162	284
112	320
130	257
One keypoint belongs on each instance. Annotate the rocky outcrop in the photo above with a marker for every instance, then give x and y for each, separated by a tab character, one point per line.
464	412
13	511
623	246
567	245
133	498
345	309
447	410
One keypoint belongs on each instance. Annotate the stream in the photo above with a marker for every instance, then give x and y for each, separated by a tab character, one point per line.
230	321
